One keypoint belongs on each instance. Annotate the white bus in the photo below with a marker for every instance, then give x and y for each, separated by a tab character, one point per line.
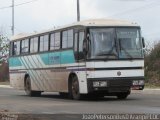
99	57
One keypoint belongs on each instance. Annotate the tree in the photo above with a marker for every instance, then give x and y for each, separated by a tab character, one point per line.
152	65
4	48
4	54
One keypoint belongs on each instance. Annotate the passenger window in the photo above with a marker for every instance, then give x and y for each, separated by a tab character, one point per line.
70	38
25	46
75	42
75	45
16	48
46	41
57	41
34	45
52	42
81	38
67	39
43	43
64	39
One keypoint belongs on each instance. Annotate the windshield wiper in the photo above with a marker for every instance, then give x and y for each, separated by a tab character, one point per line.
110	53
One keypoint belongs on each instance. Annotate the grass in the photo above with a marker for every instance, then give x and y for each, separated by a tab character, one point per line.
147	85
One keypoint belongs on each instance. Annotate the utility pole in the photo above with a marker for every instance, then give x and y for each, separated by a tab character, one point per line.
12	17
78	11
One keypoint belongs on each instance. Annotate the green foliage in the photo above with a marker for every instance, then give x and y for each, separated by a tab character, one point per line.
4	48
152	66
4	54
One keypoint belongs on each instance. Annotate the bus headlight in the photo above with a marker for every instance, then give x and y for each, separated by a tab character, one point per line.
135	82
138	82
141	82
100	84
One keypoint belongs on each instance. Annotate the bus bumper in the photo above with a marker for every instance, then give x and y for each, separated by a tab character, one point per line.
114	85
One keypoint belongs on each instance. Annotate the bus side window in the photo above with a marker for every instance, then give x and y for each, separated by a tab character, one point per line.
44	43
81	38
76	45
57	40
41	43
67	39
16	49
34	45
52	41
70	38
64	39
25	46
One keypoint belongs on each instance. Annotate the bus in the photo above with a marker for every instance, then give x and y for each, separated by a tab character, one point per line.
99	57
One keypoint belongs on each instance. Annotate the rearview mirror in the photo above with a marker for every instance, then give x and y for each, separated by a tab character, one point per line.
143	42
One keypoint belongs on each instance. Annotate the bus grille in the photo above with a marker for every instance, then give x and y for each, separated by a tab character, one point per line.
114	83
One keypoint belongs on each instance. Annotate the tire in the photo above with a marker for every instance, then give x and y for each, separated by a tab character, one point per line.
122	96
28	88
74	89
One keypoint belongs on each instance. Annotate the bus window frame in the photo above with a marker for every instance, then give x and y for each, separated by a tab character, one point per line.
74	28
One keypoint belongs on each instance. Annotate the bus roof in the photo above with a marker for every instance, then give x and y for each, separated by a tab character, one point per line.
92	22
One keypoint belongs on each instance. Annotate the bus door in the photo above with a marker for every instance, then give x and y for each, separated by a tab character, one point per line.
78	50
80	59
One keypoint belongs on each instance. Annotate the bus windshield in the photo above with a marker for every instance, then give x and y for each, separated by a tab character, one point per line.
116	43
103	43
130	44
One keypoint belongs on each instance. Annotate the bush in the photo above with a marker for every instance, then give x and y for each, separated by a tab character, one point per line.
152	66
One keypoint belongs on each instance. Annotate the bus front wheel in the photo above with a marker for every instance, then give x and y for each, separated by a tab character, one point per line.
74	89
28	89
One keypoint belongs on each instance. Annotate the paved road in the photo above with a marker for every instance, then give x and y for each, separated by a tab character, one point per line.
50	103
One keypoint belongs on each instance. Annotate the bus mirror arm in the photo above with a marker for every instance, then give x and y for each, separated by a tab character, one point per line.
143	42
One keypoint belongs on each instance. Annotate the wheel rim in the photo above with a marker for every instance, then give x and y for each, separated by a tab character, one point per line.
27	86
75	88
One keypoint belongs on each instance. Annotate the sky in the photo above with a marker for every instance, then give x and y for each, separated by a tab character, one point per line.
41	15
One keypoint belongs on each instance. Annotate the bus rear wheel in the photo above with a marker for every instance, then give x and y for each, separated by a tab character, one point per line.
74	90
28	89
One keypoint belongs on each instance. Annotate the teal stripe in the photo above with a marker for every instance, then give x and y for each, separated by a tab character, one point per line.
44	58
64	57
67	57
15	62
54	58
